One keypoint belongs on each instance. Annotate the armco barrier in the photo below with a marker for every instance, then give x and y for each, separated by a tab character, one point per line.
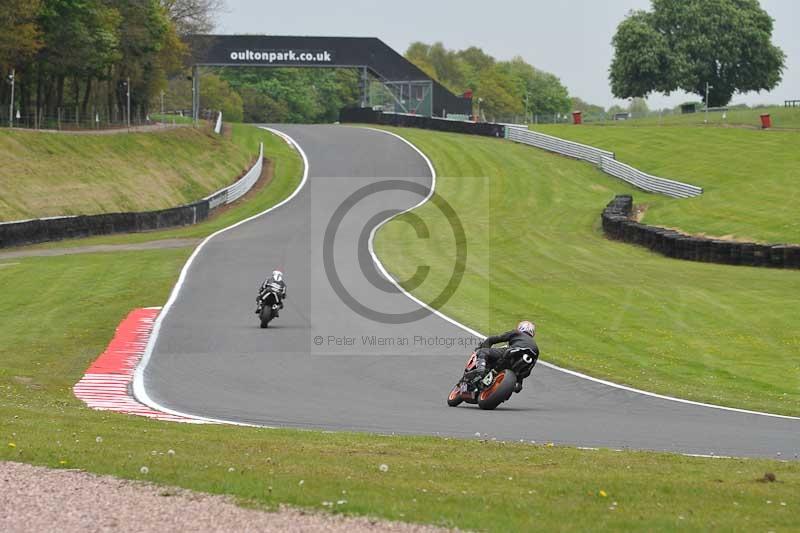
560	146
646	182
240	188
618	225
606	161
71	227
365	115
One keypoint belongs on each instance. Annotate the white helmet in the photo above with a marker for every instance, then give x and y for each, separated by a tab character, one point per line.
527	327
277	275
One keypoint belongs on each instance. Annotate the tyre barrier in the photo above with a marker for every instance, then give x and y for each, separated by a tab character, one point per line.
60	228
40	230
365	115
618	225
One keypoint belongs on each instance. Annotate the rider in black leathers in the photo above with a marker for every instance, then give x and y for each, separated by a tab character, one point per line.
520	338
276	279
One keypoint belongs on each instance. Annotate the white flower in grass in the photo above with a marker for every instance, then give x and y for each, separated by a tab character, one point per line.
170	452
98	439
383	467
144	470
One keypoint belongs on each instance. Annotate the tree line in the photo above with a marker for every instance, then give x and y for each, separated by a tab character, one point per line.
85	56
501	89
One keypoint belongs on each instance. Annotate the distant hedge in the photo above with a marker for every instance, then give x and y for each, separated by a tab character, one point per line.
618	225
366	115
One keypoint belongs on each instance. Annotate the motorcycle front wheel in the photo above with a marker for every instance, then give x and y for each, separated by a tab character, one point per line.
266	316
454	399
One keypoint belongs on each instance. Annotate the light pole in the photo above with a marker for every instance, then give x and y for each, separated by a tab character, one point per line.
527	106
128	85
11	105
707	88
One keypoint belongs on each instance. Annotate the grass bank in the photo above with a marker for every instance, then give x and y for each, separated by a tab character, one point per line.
287	169
50	174
751	179
720	334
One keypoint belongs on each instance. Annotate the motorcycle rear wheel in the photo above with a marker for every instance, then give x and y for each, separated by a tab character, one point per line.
499	391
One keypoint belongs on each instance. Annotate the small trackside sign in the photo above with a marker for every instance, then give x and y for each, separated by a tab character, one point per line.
282	56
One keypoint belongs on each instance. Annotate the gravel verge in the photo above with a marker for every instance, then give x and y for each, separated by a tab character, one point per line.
35	498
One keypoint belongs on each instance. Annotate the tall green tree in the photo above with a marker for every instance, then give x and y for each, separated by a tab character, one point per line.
192	16
81	43
542	92
505	87
20	35
686	44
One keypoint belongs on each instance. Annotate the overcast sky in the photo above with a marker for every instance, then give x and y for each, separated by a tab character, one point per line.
570	38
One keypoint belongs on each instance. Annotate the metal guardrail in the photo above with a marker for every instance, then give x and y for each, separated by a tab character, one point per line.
554	144
240	188
647	182
606	161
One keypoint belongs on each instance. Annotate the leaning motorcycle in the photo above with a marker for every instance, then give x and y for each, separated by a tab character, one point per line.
497	385
269	303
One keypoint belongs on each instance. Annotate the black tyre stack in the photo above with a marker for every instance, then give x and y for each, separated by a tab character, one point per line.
618	225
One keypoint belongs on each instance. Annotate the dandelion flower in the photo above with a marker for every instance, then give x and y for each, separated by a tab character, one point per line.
602	493
383	467
98	439
144	470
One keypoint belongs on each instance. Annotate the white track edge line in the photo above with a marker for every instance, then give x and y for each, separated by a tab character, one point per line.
438	313
139	390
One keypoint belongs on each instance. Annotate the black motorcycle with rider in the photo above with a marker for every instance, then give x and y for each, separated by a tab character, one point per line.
270	298
492	375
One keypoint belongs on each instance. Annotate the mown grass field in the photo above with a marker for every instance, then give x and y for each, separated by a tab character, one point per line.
751	178
511	487
719	334
50	174
782	118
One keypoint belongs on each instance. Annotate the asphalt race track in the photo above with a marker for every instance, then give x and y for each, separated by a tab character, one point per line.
312	369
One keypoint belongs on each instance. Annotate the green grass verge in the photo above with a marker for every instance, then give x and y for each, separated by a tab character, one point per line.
51	174
751	178
469	484
720	334
172	119
782	118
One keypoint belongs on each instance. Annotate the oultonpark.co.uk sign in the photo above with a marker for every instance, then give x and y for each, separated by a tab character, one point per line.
283	56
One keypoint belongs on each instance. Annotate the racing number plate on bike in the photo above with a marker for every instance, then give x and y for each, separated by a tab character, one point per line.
488	379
